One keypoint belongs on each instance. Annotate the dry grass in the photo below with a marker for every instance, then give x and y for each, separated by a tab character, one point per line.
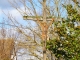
6	48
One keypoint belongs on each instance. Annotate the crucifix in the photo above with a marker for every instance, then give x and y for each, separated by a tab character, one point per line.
42	21
44	28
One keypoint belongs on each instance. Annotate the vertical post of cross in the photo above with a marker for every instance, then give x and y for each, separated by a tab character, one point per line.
44	30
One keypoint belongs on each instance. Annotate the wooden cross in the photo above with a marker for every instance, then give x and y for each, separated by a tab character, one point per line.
42	21
44	28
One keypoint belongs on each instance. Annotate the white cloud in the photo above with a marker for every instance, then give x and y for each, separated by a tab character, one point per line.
0	12
15	13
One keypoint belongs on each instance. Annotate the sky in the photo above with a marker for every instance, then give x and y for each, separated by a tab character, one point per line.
6	7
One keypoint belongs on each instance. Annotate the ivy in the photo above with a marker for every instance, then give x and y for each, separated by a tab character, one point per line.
68	45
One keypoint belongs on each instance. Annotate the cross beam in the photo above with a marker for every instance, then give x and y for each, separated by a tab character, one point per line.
35	18
40	18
